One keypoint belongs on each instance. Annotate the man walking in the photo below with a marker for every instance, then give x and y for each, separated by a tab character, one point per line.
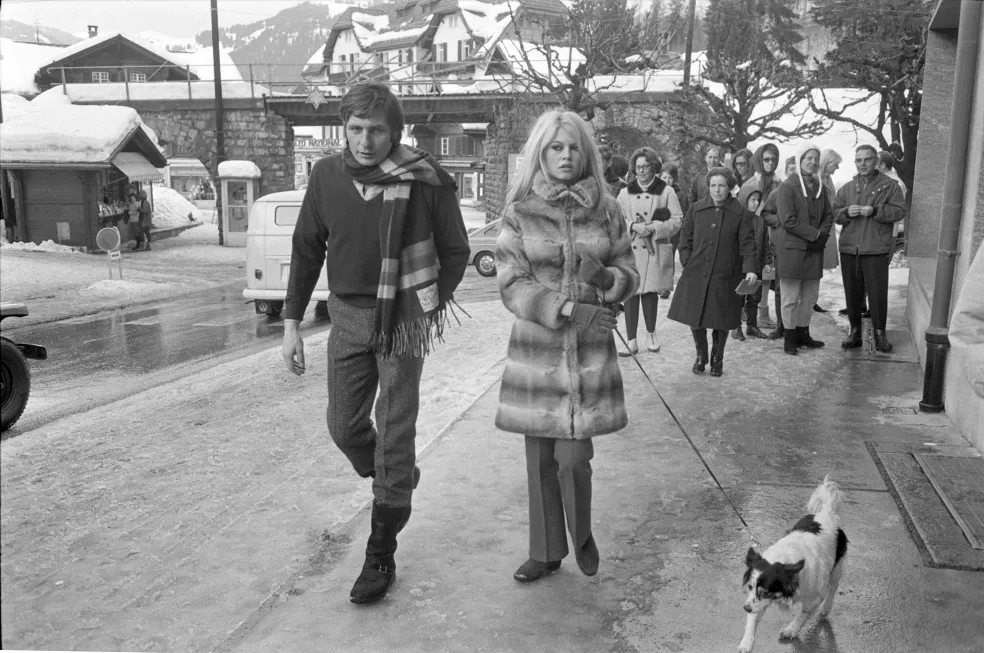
699	190
868	206
388	219
805	218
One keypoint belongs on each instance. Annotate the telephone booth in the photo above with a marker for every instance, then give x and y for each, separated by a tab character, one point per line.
240	183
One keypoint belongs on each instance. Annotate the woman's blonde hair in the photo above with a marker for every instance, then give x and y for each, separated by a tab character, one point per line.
827	157
532	154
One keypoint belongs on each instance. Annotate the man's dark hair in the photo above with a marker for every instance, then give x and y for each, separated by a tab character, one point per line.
887	159
367	98
866	147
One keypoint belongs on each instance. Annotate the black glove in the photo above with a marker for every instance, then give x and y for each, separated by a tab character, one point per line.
819	244
661	215
593	318
590	270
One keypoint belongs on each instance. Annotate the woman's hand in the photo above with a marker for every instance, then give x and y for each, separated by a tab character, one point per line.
751	277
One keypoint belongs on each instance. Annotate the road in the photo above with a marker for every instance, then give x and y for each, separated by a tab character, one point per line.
99	359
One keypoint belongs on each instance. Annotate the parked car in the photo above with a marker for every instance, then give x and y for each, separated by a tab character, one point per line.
15	375
268	247
482	244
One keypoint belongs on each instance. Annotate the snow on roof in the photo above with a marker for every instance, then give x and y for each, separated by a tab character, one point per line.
200	90
20	61
484	19
82	46
405	35
55	133
246	169
200	63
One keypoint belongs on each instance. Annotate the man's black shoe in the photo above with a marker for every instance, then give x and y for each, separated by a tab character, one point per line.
819	309
737	334
853	339
789	346
881	341
803	339
778	333
754	332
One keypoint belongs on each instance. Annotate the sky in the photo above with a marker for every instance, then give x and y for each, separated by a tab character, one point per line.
173	17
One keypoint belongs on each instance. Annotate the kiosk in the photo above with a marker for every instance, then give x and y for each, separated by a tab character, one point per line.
240	182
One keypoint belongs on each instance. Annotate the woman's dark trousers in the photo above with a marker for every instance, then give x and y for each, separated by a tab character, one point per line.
650	302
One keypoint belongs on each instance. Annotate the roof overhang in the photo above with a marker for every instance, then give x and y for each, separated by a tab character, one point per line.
70	165
946	16
136	167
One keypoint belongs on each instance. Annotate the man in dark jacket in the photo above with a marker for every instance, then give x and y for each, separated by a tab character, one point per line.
698	190
806	218
388	219
616	168
868	206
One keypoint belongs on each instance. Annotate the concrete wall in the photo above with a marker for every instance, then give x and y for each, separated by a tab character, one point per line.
250	134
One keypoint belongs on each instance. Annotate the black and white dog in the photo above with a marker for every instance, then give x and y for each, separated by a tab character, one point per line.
803	568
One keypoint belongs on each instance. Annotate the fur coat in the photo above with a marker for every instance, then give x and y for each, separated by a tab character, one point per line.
655	205
559	381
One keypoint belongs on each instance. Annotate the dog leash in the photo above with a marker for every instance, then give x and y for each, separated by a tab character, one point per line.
684	431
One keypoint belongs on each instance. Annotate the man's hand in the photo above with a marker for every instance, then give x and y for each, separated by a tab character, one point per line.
819	244
854	210
751	277
594	318
293	348
590	270
866	211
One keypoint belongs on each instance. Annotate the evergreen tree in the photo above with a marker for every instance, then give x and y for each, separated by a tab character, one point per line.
881	48
750	80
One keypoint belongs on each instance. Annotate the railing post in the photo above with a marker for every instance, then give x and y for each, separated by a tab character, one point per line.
126	82
188	77
252	93
64	85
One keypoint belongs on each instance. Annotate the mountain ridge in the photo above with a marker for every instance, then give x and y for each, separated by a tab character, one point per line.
18	31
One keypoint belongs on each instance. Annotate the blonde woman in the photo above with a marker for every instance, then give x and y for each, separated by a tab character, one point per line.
563	258
652	211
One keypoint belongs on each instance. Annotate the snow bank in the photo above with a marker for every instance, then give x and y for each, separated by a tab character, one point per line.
121	288
20	61
234	168
46	131
49	246
171	209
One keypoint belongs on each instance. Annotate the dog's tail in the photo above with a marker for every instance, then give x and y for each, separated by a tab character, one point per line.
826	498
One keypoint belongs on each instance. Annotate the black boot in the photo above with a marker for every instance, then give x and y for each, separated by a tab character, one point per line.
881	341
853	339
700	339
803	339
737	334
717	354
751	328
379	570
789	346
779	332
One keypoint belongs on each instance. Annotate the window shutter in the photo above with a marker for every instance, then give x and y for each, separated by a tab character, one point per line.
460	58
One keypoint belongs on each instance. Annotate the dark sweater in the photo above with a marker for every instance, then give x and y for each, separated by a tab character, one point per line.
337	227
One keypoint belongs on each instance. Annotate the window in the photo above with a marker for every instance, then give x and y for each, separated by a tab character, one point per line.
138	77
286	215
100	78
410	55
440	52
445	145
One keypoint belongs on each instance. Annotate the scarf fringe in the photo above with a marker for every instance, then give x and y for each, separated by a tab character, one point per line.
413	339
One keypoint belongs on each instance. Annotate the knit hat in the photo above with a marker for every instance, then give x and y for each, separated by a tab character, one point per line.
800	153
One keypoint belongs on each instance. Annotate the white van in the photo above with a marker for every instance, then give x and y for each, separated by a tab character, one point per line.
268	247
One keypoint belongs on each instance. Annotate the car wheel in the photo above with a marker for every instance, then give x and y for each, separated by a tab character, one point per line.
15	384
485	264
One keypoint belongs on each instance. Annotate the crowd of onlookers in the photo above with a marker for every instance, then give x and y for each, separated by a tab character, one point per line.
789	240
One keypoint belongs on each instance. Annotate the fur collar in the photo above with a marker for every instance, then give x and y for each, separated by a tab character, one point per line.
655	187
584	192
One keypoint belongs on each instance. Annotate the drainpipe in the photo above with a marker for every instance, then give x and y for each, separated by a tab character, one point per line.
937	335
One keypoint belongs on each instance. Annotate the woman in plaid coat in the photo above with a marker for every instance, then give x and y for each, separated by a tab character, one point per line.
563	258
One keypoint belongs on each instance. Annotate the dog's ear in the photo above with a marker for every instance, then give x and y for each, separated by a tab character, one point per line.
794	568
752	557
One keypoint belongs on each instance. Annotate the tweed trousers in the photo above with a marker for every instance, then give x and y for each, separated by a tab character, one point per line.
559	480
385	450
798	298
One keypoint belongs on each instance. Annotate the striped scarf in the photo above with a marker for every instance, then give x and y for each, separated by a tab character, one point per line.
409	314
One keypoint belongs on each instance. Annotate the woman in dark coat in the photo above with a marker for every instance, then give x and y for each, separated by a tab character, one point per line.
717	248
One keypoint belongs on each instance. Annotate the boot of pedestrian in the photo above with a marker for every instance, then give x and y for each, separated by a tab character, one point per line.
803	339
631	350
881	341
700	340
717	354
789	346
817	308
379	569
752	329
738	334
652	342
778	333
853	339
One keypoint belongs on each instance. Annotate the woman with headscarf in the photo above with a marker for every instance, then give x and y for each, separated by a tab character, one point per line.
653	214
717	249
563	258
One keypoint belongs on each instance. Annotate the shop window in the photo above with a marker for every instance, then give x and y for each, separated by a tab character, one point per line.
445	145
138	77
100	77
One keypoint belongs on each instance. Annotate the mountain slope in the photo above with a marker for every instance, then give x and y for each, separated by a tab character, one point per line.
18	31
278	47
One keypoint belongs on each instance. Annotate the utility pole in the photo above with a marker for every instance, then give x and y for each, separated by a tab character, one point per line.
691	18
219	126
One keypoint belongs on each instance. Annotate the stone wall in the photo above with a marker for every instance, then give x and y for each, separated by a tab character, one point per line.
250	134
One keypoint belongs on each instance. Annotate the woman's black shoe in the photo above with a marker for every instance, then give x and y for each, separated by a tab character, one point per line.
819	309
532	570
699	365
717	366
587	557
